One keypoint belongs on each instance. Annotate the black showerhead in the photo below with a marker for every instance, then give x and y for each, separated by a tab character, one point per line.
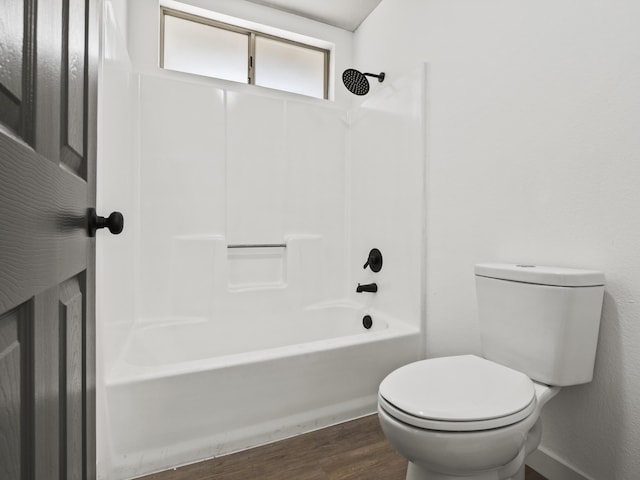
356	82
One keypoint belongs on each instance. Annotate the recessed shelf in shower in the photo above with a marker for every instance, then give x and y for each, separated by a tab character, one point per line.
256	265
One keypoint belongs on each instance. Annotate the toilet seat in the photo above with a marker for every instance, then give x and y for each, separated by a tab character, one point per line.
460	393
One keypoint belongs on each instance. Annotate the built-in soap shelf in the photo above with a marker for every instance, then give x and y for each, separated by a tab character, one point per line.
277	265
207	265
256	266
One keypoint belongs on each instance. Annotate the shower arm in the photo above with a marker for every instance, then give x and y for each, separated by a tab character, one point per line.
379	76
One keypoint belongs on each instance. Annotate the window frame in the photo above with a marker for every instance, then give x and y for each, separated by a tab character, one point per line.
251	36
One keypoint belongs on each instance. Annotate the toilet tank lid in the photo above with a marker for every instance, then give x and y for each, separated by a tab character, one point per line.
541	275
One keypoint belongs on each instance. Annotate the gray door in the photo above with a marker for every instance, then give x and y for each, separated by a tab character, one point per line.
48	55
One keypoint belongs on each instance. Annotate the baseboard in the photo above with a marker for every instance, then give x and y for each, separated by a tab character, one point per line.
550	466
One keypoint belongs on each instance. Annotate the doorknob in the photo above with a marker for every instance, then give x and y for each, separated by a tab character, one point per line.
114	222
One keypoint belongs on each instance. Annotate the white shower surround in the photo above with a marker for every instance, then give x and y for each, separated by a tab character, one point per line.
234	348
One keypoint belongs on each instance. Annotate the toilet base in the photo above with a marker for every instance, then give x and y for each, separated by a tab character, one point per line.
414	472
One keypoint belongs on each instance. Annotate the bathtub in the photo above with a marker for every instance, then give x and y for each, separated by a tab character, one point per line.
183	390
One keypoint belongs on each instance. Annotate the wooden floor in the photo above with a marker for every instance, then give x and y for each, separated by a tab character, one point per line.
355	450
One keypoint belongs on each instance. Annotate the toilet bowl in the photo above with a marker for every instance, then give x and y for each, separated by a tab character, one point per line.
476	417
467	418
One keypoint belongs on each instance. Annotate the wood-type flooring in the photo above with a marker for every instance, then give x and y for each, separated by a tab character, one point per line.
355	450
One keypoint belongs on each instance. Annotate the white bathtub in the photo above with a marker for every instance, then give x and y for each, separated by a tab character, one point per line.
183	391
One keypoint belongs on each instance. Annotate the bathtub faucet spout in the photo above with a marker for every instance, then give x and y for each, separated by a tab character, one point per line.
369	287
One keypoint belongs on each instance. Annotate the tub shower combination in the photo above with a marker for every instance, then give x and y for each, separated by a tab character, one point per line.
229	344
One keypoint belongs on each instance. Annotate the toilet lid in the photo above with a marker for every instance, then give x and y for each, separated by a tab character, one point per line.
458	393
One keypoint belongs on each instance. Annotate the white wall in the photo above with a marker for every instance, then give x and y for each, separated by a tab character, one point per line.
144	27
533	147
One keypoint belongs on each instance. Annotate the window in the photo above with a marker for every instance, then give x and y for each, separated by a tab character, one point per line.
194	44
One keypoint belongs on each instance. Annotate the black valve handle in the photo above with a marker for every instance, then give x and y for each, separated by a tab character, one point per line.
374	261
114	222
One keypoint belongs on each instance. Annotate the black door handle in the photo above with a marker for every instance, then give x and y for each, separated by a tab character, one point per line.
114	222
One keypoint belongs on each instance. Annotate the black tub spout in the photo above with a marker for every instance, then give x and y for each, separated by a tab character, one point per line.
369	287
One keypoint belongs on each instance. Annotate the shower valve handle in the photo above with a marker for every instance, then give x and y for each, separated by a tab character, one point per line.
374	261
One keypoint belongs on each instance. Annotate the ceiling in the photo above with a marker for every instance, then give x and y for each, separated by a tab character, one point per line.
346	14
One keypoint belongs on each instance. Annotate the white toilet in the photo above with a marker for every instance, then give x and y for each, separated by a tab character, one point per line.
478	418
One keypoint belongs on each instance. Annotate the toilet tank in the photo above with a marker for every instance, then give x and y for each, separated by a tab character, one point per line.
542	321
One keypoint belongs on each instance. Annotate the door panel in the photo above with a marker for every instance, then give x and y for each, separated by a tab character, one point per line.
11	39
73	68
49	95
10	395
11	42
71	322
58	334
47	348
47	277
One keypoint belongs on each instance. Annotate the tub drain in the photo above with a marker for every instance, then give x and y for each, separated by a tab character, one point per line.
367	321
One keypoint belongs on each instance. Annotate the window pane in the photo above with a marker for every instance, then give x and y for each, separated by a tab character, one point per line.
289	67
206	50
